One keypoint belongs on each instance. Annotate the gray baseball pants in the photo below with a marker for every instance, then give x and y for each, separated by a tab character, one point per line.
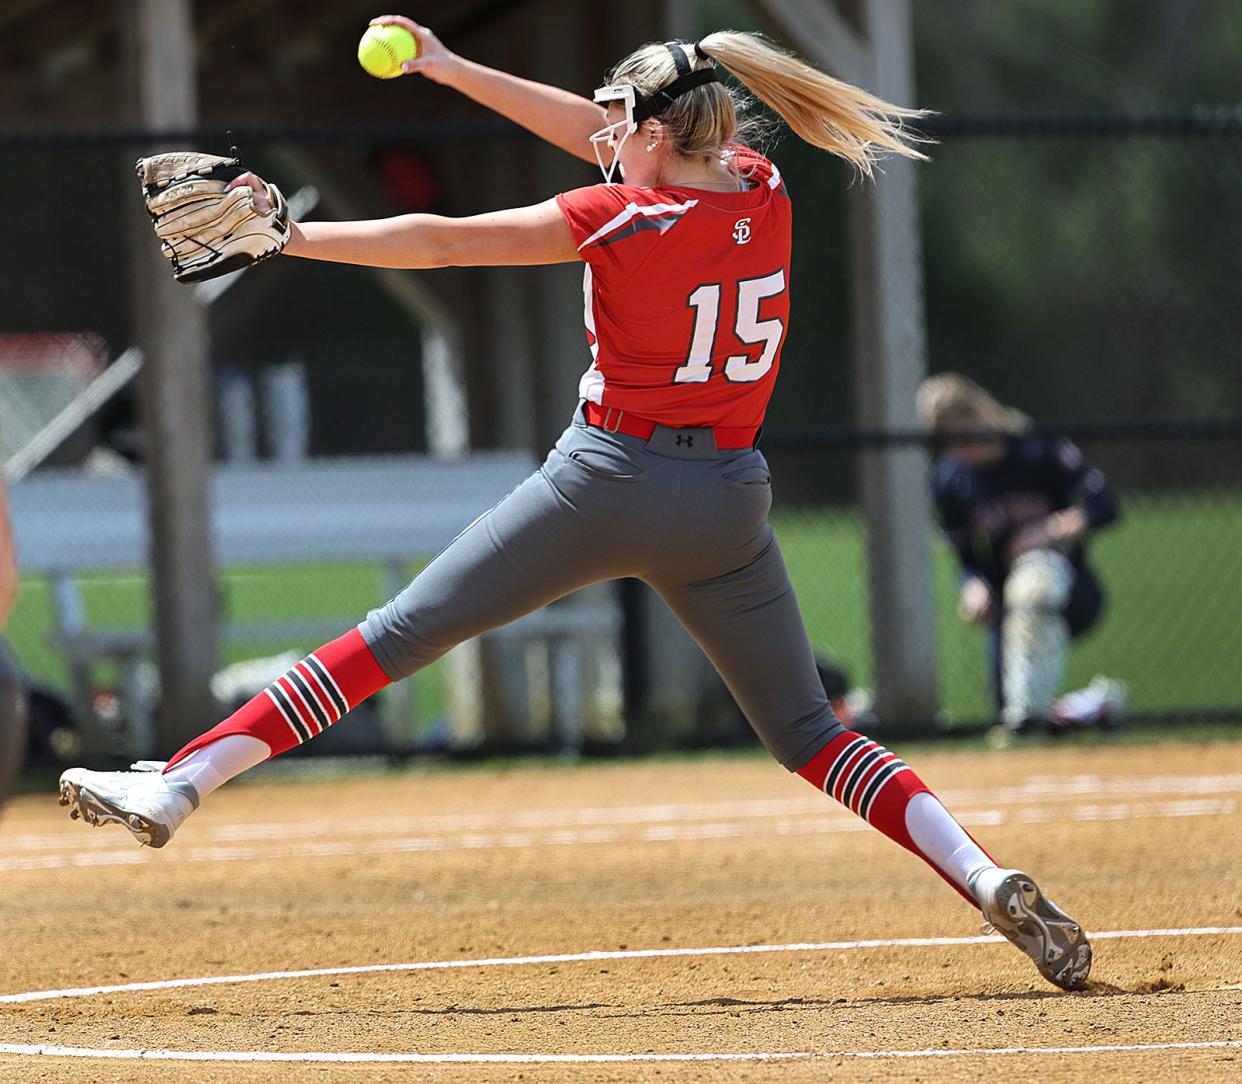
671	511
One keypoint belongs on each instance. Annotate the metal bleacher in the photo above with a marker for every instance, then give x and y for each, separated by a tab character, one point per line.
71	525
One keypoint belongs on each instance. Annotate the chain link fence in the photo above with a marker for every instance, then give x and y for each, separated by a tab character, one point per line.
1078	268
1169	567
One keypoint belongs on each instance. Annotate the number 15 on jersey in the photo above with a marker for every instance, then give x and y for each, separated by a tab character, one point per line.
748	327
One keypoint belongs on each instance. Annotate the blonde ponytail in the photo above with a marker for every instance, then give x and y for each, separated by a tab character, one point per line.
826	112
830	114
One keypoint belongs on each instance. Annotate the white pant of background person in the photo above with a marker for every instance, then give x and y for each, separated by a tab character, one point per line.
1035	635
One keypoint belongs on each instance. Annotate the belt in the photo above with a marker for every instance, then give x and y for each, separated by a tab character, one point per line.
612	420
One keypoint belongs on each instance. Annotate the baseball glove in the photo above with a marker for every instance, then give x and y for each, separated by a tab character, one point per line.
206	230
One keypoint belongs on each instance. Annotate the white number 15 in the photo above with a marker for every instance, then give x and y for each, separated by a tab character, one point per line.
705	301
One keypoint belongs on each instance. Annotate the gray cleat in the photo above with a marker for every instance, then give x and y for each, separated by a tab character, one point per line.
1013	904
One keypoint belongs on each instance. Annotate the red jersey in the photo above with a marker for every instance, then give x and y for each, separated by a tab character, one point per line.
687	295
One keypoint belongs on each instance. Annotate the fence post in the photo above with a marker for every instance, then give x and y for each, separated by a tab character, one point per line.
869	42
890	360
174	389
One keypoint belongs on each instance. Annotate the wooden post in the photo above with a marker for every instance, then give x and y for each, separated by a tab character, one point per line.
868	42
890	359
174	389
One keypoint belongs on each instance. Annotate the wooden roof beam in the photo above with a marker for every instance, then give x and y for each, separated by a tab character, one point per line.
818	29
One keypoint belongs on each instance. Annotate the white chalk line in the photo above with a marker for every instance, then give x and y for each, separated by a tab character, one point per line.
1035	791
583	957
818	823
364	1057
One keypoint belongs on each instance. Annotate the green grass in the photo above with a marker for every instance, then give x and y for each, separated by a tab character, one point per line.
1171	630
291	593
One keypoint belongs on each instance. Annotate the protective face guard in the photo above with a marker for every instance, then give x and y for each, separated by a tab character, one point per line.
639	108
627	96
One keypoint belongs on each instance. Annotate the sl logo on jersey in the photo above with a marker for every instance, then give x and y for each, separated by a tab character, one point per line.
741	231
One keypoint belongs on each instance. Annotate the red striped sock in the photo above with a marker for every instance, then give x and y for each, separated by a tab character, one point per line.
305	700
874	783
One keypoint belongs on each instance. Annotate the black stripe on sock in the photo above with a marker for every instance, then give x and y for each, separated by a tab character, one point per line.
327	700
291	713
283	714
877	784
841	761
860	770
312	701
329	686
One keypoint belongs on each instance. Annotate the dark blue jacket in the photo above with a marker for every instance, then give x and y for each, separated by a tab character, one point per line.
981	508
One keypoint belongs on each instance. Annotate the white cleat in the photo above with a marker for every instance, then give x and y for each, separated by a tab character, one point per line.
1013	904
142	801
1101	704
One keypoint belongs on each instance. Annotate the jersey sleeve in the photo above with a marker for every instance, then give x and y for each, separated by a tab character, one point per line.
953	511
589	209
757	169
617	227
1076	484
595	215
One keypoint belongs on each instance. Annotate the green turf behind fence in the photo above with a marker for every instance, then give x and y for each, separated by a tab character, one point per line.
1172	629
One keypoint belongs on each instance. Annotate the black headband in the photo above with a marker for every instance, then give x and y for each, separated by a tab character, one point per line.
687	80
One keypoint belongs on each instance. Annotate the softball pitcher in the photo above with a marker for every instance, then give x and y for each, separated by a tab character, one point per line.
686	304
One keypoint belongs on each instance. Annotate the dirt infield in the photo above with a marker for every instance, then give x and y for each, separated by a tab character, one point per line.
471	869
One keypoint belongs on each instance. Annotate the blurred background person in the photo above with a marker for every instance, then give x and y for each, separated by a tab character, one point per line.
1018	508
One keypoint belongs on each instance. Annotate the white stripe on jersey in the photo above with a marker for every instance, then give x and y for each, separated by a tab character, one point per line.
588	309
774	181
591	386
633	209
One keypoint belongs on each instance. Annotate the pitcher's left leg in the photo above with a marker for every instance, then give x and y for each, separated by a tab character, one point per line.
748	623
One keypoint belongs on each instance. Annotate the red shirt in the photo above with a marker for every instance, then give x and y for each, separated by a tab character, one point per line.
687	295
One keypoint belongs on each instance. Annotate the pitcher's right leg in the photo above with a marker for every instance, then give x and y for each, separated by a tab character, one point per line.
560	530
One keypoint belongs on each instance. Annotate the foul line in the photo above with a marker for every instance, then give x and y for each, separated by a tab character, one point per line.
582	957
822	822
47	1050
1035	791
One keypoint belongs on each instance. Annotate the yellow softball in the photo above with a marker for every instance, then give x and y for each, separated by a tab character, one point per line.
383	49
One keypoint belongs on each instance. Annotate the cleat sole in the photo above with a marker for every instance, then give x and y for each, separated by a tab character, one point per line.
1056	944
97	812
95	809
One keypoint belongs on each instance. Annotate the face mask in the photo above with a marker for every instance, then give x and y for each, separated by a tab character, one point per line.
605	96
639	108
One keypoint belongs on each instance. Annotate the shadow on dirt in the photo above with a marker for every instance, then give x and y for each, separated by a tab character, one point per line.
1095	989
457	1010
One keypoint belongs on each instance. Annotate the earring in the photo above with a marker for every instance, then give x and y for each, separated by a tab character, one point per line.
651	146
